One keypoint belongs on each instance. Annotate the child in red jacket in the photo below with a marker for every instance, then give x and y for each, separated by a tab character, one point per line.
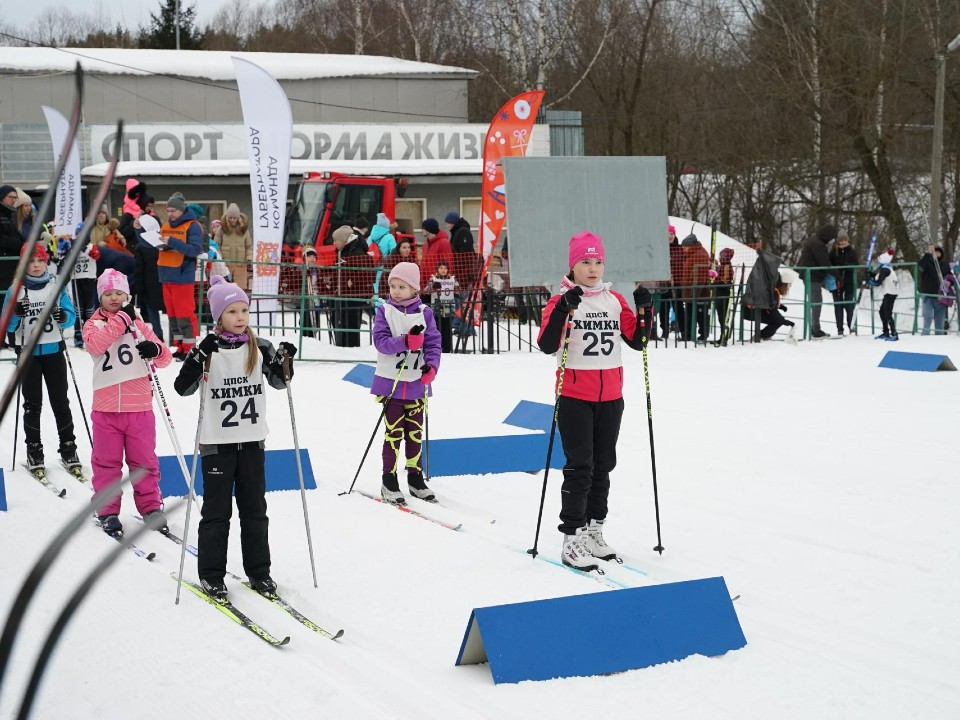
590	386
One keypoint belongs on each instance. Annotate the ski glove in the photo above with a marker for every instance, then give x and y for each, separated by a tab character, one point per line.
59	315
437	286
22	307
570	300
641	297
427	374
783	308
288	349
414	339
148	349
130	311
210	344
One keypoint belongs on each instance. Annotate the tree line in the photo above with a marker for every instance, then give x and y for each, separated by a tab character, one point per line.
775	116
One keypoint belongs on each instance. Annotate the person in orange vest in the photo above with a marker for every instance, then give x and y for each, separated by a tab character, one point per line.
176	268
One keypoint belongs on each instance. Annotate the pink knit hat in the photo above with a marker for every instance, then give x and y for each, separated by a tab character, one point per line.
408	272
112	280
585	245
223	293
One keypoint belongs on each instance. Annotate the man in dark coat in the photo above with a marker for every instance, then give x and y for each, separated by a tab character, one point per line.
844	256
814	254
759	292
9	236
929	284
461	238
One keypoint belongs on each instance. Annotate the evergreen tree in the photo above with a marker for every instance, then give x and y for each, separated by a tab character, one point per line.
162	33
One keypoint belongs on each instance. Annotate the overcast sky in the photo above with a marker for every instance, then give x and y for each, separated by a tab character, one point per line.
131	13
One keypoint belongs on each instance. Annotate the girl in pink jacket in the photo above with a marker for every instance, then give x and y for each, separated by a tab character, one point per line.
123	421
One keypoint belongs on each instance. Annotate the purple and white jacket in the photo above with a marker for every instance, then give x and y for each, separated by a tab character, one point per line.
393	321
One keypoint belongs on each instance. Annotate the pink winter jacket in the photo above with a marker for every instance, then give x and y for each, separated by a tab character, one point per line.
99	333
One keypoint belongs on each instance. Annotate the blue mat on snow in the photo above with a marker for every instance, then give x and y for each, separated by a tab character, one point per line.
921	362
281	473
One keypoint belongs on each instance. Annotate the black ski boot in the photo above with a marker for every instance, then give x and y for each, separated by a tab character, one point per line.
68	454
111	525
264	585
34	456
216	589
418	488
390	490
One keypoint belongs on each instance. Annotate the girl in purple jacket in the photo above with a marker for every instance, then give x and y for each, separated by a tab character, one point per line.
408	355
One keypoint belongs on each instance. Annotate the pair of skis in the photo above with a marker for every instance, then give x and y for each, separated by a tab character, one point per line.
231	611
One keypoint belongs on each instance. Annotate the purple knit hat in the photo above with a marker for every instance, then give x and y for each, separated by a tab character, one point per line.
408	272
223	293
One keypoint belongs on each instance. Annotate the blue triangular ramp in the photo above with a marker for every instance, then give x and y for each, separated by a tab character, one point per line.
622	630
922	362
361	375
3	493
280	469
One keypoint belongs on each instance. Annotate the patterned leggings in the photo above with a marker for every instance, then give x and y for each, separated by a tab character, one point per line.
404	421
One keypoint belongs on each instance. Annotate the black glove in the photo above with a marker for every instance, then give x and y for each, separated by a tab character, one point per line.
59	315
642	298
783	307
570	300
288	349
22	307
210	344
436	286
130	311
788	322
148	349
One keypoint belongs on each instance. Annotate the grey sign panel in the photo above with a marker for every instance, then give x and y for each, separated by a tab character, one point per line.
621	199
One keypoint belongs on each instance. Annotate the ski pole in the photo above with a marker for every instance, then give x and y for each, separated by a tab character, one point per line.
287	375
165	409
73	375
426	433
403	365
43	659
653	454
191	479
16	431
553	427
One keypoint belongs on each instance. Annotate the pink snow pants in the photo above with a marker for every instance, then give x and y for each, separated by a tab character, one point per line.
133	433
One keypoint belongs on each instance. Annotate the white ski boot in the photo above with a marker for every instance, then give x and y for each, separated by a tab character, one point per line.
575	552
594	542
390	490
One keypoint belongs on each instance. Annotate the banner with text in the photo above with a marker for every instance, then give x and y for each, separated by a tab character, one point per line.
269	126
68	210
508	136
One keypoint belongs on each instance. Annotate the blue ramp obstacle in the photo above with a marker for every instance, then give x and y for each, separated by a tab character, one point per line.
492	454
281	472
618	630
922	362
3	493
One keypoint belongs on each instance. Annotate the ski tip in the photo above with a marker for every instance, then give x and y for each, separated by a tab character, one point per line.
285	641
151	556
734	598
63	493
339	633
457	526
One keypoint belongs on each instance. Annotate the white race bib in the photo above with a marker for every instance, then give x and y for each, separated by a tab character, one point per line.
49	333
86	267
235	408
119	363
594	334
411	362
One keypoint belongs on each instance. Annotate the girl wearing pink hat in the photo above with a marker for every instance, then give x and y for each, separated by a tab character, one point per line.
232	435
123	421
407	340
590	402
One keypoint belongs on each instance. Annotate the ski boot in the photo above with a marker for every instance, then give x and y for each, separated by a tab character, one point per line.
892	337
34	457
70	461
216	589
390	490
575	553
163	529
594	542
111	525
264	585
418	488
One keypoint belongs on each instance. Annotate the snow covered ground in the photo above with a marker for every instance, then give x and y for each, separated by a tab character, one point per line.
821	487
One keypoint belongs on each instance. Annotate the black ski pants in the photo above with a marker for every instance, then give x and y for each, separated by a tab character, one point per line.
235	468
844	304
886	314
52	370
589	432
